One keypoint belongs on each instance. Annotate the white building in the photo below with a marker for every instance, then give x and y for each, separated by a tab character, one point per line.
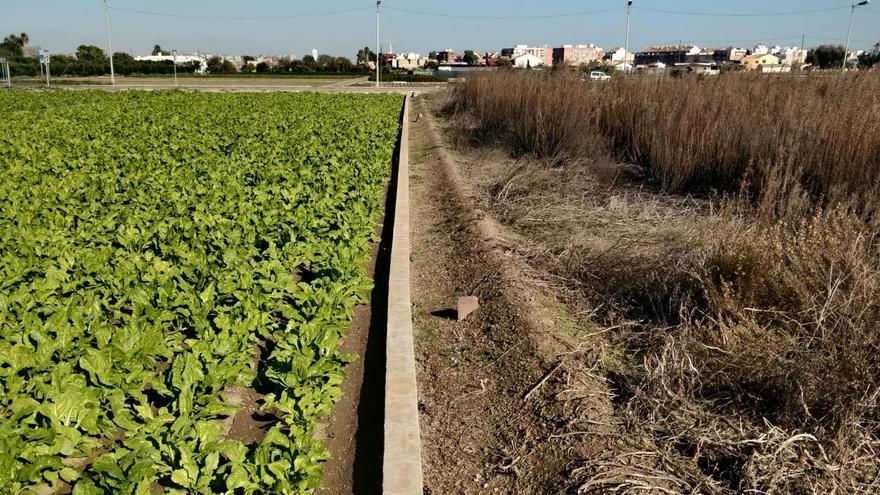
528	61
181	59
544	52
790	55
877	48
620	54
774	69
408	61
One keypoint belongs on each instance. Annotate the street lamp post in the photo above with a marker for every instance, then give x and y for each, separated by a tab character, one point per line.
378	47
852	14
174	57
109	43
629	8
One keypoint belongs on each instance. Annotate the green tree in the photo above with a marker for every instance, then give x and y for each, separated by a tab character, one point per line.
470	57
326	62
89	53
263	68
310	63
122	58
157	50
14	45
217	65
365	56
343	64
504	63
826	56
868	60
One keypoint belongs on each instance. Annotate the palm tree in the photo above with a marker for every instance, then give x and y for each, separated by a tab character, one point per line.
24	39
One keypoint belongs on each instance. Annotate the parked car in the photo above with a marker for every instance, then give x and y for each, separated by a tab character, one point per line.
598	75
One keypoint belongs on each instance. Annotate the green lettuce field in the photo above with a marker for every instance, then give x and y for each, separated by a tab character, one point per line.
168	260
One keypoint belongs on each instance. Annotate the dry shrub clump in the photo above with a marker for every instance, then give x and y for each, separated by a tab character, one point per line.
754	322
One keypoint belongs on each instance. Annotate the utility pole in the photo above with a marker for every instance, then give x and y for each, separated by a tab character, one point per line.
4	73
629	8
174	57
849	33
109	43
378	46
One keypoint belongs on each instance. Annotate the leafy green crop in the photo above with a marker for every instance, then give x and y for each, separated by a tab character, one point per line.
158	252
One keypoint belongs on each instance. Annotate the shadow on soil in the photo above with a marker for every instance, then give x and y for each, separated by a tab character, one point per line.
446	314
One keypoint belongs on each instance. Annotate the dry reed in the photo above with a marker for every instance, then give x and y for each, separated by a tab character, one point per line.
758	337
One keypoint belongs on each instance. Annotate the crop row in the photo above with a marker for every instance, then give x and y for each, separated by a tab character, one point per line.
176	273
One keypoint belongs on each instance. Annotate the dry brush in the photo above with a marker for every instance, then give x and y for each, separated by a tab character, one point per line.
757	338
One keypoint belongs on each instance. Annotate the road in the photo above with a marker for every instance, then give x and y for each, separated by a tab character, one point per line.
353	85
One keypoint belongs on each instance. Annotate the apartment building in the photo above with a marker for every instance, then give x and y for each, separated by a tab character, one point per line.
577	54
543	52
668	55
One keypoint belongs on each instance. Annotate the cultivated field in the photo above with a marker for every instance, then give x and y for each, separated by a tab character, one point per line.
716	239
176	273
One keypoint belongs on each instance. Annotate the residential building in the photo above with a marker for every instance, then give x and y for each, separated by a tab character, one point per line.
528	61
792	55
774	69
761	50
408	61
668	55
544	52
447	56
736	54
702	69
619	55
877	48
577	54
760	62
181	59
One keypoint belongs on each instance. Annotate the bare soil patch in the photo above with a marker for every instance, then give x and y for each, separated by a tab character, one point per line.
503	406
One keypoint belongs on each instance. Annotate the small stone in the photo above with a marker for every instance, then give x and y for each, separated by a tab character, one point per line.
466	306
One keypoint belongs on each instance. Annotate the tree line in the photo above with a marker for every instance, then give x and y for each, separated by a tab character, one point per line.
91	60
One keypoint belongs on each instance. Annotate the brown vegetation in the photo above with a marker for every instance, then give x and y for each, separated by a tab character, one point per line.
693	133
747	319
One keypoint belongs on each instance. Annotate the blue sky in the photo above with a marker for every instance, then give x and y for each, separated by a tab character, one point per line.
254	27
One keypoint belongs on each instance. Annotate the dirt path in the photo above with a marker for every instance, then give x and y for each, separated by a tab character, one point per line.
490	386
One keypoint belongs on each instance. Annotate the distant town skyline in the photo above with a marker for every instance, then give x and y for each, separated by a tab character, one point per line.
342	26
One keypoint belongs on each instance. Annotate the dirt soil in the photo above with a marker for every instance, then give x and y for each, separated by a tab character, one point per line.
505	404
353	431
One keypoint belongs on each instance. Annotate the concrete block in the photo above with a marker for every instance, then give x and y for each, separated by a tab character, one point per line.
466	306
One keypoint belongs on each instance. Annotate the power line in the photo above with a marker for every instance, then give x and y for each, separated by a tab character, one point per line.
733	14
502	17
759	39
238	18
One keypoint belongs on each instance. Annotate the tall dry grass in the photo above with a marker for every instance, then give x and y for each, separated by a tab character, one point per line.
693	133
758	331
